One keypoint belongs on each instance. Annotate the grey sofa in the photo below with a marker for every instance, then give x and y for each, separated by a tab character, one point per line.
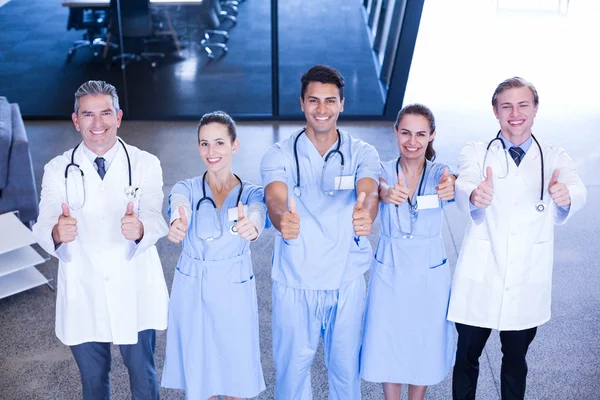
17	183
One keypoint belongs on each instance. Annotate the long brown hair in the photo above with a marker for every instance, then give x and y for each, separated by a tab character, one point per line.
424	111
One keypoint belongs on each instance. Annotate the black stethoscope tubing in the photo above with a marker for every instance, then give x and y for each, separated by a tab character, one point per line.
206	198
419	191
540	205
73	164
336	150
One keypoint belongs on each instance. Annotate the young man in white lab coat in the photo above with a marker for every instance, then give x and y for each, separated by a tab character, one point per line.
101	215
503	278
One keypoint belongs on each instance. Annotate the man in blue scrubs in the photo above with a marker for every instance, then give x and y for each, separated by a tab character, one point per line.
321	193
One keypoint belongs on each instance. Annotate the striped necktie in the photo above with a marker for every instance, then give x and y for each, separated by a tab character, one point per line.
101	170
517	154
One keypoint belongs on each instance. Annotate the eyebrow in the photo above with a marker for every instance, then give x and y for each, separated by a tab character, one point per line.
409	131
205	140
326	98
89	111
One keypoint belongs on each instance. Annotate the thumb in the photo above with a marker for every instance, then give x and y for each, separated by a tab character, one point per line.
65	210
400	178
360	200
554	178
292	205
444	175
129	209
489	178
240	211
182	215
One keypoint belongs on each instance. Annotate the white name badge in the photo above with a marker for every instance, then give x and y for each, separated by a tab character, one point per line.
232	213
429	201
344	182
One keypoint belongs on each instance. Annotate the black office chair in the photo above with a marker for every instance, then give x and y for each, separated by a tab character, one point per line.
137	26
210	23
95	24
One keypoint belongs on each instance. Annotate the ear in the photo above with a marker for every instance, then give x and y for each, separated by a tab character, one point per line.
302	104
119	117
75	121
235	146
495	112
432	136
535	110
342	104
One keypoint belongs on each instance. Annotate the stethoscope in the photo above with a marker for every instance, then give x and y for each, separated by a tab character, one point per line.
297	190
539	206
414	207
233	228
130	191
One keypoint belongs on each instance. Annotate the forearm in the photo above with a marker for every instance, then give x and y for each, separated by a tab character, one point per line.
277	203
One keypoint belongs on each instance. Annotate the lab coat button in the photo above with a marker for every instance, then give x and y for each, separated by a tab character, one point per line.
510	261
506	289
107	278
102	188
512	234
516	173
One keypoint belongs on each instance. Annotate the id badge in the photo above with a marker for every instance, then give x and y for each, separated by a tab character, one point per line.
232	213
344	182
428	202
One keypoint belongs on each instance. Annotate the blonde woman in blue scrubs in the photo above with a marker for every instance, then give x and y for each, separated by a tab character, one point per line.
212	337
406	337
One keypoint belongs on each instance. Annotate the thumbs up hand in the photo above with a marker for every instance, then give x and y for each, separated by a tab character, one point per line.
398	193
131	226
65	230
179	227
245	227
290	222
483	195
445	188
361	217
559	191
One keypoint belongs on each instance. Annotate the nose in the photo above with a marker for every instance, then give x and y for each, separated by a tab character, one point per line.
321	109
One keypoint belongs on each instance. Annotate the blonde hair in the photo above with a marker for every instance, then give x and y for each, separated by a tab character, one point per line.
512	83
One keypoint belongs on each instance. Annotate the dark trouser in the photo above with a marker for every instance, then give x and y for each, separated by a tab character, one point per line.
93	360
471	341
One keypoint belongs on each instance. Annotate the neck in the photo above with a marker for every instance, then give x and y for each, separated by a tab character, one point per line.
221	180
100	151
517	140
412	167
321	141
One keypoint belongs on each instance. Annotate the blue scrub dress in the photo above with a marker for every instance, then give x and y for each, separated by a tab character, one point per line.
406	337
212	337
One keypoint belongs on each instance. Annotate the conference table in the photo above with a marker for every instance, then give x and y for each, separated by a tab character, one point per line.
106	4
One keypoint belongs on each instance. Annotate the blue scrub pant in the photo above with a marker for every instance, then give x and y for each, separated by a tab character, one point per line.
300	317
93	360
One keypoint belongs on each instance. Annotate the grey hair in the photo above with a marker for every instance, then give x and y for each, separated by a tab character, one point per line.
96	88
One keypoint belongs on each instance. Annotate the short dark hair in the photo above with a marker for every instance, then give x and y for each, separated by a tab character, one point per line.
323	74
423	111
219	117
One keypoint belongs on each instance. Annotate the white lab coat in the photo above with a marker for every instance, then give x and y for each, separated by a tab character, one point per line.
108	288
503	277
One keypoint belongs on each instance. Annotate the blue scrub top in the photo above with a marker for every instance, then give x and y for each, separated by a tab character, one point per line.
325	254
228	245
427	227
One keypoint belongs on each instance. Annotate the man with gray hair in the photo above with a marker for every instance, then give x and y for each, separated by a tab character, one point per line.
101	215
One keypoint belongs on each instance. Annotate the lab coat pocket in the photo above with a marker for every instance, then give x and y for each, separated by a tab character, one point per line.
540	265
473	259
382	272
437	254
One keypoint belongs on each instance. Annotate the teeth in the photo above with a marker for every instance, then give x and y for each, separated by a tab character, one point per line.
213	159
516	123
321	118
411	148
98	132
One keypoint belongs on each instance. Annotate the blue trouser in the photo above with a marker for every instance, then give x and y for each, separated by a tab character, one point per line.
300	318
93	360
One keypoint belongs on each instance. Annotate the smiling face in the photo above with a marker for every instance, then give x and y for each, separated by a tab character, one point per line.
321	106
98	121
516	111
413	136
215	147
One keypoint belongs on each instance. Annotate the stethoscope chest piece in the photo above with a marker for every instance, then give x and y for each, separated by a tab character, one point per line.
130	192
297	191
540	206
233	229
